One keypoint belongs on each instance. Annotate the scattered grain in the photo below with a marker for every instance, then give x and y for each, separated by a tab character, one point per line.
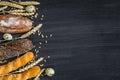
41	65
51	35
39	47
36	15
46	36
40	43
48	57
42	15
37	51
46	41
45	60
41	18
42	36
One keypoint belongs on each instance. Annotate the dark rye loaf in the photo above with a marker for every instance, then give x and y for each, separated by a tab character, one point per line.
14	48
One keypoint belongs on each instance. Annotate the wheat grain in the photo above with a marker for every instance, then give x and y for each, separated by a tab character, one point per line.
5	3
36	15
3	8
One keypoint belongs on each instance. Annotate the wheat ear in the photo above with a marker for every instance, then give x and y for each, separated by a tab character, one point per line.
29	3
5	3
23	14
3	8
29	66
37	77
16	11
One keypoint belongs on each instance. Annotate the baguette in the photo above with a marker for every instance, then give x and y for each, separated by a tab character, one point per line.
19	62
30	73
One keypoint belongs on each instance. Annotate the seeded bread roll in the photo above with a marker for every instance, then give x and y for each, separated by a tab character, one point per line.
14	24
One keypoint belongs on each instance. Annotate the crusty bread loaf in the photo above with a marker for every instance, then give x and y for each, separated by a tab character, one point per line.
14	24
30	73
15	48
19	62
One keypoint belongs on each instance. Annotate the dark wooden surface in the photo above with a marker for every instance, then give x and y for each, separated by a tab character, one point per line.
86	39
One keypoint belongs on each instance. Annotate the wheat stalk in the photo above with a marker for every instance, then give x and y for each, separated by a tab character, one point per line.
29	66
16	11
37	77
29	3
23	14
27	34
2	8
31	31
5	3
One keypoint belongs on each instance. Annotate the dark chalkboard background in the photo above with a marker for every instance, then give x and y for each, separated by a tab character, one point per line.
86	39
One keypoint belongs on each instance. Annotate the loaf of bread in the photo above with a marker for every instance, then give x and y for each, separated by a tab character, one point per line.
17	63
15	48
30	73
14	24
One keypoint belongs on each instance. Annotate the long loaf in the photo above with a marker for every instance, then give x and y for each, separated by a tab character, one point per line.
30	73
19	62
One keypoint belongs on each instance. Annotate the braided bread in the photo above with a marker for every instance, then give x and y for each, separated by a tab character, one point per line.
30	73
19	62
